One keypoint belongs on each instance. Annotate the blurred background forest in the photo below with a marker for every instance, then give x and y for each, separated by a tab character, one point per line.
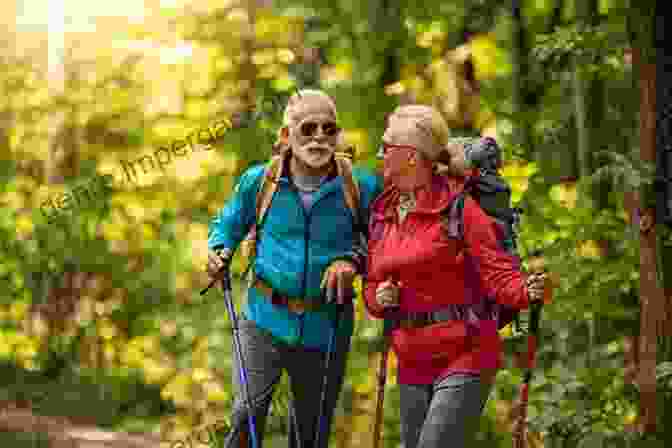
104	339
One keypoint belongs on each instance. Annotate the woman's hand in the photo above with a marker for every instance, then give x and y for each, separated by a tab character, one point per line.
536	283
387	294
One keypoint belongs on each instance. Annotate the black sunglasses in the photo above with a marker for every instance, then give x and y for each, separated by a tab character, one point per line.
309	128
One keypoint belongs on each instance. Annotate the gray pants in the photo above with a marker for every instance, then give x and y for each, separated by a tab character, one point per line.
265	358
442	415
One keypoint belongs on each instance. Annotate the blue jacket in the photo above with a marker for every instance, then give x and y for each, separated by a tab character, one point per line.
294	247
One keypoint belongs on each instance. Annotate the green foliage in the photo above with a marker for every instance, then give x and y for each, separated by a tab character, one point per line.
593	48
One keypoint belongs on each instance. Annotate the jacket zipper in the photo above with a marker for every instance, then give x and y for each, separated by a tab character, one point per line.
306	239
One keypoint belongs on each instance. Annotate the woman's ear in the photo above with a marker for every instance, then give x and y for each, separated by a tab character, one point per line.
284	134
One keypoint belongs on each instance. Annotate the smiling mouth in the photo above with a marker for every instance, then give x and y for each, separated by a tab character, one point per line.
318	150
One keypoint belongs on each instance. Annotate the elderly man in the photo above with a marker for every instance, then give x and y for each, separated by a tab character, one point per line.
309	245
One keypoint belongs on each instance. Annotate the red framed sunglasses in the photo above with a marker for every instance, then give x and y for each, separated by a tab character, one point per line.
384	148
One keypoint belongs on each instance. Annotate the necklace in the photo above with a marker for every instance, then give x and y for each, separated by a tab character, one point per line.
406	204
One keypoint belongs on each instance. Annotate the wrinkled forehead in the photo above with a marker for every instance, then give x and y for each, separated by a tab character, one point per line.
311	107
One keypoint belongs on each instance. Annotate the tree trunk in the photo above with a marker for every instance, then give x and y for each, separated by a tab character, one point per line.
664	162
652	299
520	64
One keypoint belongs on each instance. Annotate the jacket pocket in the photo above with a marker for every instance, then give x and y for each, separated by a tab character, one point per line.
443	340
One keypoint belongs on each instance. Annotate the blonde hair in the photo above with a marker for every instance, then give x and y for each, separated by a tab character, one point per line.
293	112
430	121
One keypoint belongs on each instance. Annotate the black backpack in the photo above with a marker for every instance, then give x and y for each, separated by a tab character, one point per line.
492	192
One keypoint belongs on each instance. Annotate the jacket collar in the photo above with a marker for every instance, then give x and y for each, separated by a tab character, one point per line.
432	199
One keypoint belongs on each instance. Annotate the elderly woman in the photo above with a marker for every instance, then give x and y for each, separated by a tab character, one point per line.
434	284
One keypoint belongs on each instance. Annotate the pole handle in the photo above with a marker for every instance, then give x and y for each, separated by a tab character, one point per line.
225	281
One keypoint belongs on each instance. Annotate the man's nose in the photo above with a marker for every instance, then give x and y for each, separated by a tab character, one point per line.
320	134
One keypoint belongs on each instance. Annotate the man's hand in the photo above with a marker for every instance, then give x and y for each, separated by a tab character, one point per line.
387	294
338	280
217	259
536	283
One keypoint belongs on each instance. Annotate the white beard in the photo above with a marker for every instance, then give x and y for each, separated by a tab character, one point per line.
314	158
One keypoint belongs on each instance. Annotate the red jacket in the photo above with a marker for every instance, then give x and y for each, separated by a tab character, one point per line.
437	272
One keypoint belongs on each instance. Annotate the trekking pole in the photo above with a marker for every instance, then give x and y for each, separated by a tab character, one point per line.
388	325
532	341
211	284
293	427
321	426
242	372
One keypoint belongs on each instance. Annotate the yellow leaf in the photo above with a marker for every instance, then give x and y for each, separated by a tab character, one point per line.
27	351
512	170
589	249
25	183
285	55
132	356
237	16
113	232
199	375
18	310
148	232
224	64
564	194
5	348
271	71
424	40
109	351
217	394
264	57
15	200
519	185
506	332
156	373
484	53
107	330
395	89
569	194
182	281
485	121
149	344
39	325
630	418
29	364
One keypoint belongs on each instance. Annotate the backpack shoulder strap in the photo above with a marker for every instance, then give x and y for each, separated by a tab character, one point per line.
350	187
269	184
452	217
